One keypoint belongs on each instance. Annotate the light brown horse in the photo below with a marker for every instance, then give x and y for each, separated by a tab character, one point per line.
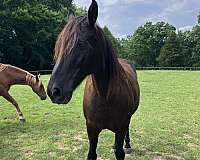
10	75
111	92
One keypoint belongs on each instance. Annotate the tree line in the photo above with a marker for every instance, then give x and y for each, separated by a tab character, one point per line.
28	31
29	28
160	45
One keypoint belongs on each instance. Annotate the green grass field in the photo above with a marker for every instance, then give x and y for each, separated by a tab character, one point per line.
165	127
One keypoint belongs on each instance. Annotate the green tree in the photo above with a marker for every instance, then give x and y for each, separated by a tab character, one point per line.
147	42
114	41
80	11
195	39
125	50
186	47
170	52
28	30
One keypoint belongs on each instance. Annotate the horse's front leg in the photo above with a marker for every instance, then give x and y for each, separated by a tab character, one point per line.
119	142
9	98
93	134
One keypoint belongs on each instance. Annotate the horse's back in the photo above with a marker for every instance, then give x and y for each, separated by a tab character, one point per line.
127	66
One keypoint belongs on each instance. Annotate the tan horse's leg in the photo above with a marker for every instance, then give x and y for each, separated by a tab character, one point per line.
9	98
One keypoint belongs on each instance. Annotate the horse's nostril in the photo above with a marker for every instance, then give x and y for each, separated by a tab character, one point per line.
56	92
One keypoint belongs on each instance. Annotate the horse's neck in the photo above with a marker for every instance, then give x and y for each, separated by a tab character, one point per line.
30	80
107	75
101	82
19	76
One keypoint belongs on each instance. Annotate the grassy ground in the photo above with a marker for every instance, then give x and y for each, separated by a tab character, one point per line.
165	127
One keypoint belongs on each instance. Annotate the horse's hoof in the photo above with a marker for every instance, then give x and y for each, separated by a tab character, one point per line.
113	150
22	120
128	150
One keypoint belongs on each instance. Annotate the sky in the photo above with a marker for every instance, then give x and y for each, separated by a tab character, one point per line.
123	17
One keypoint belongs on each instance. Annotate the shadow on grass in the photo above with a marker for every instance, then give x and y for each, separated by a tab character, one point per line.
154	155
37	127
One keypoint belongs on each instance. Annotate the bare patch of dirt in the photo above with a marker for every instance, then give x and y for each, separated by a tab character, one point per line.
186	136
28	153
52	154
76	148
158	158
79	137
193	146
61	146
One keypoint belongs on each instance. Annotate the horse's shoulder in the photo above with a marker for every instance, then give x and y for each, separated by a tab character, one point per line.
88	80
131	76
88	83
128	67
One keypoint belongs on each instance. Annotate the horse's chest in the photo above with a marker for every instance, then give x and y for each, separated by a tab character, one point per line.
107	115
111	113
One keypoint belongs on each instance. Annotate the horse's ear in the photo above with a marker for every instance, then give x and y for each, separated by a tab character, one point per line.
93	13
37	77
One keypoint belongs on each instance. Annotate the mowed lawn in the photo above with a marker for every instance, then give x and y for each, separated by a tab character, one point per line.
165	127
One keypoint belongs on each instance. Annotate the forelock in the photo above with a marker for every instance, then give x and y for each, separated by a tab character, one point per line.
68	37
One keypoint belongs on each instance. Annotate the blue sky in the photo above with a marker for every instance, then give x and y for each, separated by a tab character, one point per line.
124	16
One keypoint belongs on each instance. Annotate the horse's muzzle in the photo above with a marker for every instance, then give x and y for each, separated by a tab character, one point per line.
43	98
57	95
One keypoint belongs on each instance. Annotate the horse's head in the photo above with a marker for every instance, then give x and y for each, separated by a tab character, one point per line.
77	54
38	88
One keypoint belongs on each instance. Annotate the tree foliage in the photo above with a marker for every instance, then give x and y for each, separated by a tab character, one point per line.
145	44
114	41
186	47
170	52
195	39
160	44
28	30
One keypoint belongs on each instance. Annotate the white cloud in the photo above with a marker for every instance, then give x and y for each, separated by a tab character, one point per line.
175	6
171	9
185	28
124	16
82	3
109	2
133	1
112	2
121	36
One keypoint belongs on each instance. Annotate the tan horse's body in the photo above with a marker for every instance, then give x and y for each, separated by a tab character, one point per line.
10	75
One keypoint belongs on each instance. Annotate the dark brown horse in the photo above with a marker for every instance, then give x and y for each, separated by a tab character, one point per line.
111	91
10	75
